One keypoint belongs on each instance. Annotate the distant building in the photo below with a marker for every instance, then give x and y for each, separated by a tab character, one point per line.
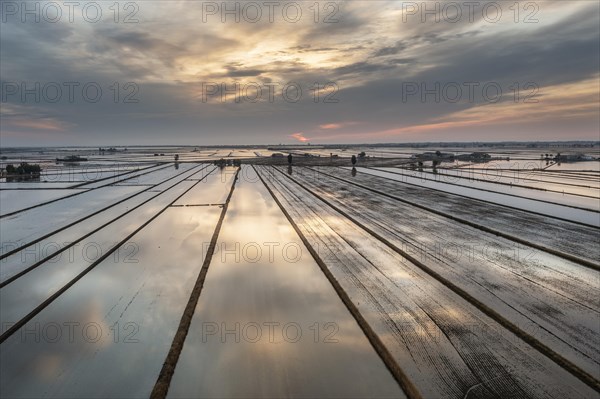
474	157
573	158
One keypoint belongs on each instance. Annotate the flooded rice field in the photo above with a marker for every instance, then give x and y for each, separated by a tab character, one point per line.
176	272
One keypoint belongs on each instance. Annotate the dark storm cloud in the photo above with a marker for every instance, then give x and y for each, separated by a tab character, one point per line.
360	68
391	50
32	51
238	71
343	20
307	48
558	53
402	61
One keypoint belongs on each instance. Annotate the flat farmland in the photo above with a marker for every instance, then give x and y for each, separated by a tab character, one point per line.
141	275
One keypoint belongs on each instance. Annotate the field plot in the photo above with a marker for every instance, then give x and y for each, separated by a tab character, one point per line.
480	262
580	209
421	310
146	275
143	284
268	324
14	200
539	231
536	180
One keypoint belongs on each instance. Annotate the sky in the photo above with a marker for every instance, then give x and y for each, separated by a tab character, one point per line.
271	72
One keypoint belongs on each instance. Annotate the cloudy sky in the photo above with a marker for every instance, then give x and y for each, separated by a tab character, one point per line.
195	72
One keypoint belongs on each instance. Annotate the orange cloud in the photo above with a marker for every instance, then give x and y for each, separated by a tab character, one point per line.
299	136
331	126
47	124
559	102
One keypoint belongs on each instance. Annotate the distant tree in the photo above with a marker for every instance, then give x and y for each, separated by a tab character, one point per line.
438	153
290	159
176	157
353	159
24	169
